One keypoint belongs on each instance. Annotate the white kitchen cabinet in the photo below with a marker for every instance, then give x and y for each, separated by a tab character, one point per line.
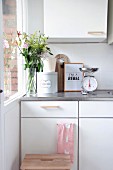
95	135
39	128
110	22
75	20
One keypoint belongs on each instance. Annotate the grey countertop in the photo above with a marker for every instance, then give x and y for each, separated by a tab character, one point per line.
99	95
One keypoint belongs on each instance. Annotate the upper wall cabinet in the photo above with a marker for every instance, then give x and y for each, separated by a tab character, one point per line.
110	22
75	20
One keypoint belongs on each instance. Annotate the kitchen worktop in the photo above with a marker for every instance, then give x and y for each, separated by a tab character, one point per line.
101	95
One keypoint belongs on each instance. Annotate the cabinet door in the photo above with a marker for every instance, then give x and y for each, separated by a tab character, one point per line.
110	22
96	144
75	20
39	135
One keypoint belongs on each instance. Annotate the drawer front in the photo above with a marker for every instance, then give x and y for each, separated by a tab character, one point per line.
96	109
49	109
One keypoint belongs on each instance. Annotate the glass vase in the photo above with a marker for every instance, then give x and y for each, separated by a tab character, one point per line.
31	82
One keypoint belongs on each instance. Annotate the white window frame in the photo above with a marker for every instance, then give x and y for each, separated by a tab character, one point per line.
2	137
22	26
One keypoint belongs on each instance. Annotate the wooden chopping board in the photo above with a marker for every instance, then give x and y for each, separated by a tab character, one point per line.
60	59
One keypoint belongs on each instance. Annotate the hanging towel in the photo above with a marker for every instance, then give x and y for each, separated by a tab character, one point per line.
65	139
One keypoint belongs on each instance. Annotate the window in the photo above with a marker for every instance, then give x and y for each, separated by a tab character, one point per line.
10	27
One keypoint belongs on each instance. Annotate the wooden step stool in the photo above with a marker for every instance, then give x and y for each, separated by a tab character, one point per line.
46	162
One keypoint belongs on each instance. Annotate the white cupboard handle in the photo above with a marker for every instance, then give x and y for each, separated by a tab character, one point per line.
96	32
50	107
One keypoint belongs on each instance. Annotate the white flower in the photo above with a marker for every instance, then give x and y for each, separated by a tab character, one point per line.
6	44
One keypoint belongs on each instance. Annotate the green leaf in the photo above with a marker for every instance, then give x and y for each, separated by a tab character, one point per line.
50	53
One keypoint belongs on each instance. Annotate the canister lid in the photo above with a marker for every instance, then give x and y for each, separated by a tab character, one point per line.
47	73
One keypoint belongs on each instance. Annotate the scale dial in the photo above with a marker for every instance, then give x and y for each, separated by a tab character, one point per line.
89	84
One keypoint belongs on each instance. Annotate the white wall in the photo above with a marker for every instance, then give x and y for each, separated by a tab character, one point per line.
12	136
35	16
92	54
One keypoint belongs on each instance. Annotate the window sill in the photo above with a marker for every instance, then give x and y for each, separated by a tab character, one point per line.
12	102
13	98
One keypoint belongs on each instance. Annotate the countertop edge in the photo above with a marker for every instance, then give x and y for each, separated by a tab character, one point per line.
65	99
100	95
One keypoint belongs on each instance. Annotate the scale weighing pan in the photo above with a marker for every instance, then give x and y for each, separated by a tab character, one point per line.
90	70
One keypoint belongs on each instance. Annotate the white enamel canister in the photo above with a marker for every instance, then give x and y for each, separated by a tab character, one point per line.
47	82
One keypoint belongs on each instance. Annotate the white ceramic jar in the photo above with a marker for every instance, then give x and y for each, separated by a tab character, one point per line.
47	82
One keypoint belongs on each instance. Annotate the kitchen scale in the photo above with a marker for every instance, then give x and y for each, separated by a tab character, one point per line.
89	82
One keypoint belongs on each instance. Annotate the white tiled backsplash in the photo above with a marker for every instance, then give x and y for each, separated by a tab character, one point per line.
91	54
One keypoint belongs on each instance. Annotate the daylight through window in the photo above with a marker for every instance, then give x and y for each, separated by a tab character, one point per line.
10	52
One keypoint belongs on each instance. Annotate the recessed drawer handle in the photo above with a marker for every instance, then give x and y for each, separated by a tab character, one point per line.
96	32
50	107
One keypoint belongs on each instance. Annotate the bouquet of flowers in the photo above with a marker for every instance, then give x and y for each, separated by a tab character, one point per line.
34	49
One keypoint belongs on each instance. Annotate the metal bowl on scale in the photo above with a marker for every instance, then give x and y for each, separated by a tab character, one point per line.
88	70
